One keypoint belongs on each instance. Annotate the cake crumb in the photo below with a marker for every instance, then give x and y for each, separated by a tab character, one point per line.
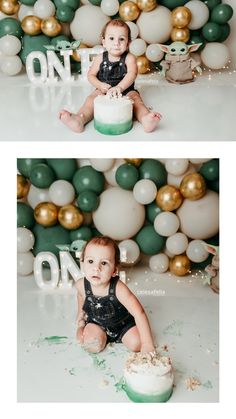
191	383
103	383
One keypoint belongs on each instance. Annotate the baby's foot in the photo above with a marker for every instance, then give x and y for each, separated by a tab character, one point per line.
150	121
73	121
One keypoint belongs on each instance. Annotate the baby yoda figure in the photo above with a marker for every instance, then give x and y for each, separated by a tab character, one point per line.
178	65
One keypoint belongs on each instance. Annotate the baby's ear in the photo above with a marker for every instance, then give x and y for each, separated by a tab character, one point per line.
116	272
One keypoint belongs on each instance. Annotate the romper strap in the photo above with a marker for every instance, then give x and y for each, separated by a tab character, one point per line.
87	287
105	56
113	282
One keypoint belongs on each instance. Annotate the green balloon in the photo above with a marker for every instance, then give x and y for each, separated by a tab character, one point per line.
153	170
33	43
149	241
197	38
87	178
95	2
25	215
201	265
211	3
211	31
225	31
75	67
214	185
171	4
222	13
88	201
28	2
73	4
25	165
63	168
42	176
126	176
59	38
10	26
152	210
215	240
65	14
210	169
46	238
82	233
96	233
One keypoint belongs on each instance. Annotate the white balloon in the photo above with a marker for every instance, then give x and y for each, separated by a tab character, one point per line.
196	251
11	65
110	7
155	26
200	14
177	243
61	192
154	53
166	223
133	29
25	11
25	263
10	45
215	55
37	195
102	165
83	162
25	240
87	17
137	47
200	219
168	253
44	8
176	180
110	175
176	166
119	215
129	252
159	263
145	191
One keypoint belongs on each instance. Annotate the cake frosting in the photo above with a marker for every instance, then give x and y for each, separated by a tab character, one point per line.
148	378
113	116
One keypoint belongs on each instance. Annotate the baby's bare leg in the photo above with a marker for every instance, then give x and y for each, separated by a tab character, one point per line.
131	339
94	338
148	119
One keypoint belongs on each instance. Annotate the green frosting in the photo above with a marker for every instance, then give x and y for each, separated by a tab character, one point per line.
144	398
113	129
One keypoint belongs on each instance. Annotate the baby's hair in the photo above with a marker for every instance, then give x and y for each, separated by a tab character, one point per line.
116	22
103	241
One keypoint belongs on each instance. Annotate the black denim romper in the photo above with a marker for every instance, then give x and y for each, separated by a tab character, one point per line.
113	72
107	312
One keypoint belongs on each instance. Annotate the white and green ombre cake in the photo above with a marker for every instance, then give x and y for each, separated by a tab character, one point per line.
148	378
113	116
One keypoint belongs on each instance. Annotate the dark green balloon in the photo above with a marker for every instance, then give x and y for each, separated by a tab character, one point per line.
46	238
95	2
73	4
210	169
25	215
197	38
212	3
214	185
87	178
225	31
25	165
10	26
149	241
201	265
65	14
153	170
152	210
75	67
126	176
63	168
215	240
211	31
82	233
221	13
59	38
33	43
96	233
88	201
42	176
171	4
28	2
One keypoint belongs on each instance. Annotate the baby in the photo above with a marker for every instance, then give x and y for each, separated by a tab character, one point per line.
107	310
112	73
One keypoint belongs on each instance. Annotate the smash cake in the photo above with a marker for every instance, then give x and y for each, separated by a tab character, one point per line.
148	378
113	116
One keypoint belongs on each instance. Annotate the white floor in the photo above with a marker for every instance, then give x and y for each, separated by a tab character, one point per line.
53	368
203	110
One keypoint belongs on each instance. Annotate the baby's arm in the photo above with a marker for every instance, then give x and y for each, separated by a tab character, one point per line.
132	71
80	314
92	75
128	299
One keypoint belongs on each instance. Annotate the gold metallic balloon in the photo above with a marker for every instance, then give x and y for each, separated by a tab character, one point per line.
180	34
143	64
22	186
31	25
129	11
180	265
193	186
70	217
135	162
51	26
45	213
146	5
181	17
9	7
76	55
169	198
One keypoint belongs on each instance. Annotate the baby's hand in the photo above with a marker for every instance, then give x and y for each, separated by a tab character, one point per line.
104	87
147	349
80	334
114	92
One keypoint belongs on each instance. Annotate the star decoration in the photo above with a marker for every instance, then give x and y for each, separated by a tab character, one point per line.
98	305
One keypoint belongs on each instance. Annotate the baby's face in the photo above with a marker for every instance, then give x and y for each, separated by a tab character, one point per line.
99	264
116	40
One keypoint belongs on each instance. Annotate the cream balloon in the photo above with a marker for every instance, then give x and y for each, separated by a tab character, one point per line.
129	252
200	219
133	29
25	263
37	195
196	251
176	180
10	45
110	7
154	53
119	215
177	243
61	192
166	223
137	47
159	263
155	26
102	165
145	191
176	166
215	55
200	14
11	65
25	11
110	175
25	240
197	161
44	8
